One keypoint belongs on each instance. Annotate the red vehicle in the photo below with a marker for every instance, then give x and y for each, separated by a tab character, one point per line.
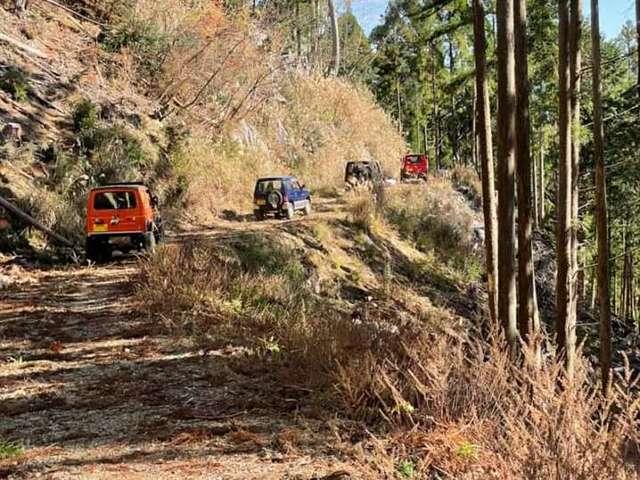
122	217
414	166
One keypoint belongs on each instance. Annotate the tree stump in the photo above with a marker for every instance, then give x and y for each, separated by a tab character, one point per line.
12	132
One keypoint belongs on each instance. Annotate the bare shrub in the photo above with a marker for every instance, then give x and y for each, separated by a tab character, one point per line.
53	211
467	180
254	292
361	210
437	219
329	122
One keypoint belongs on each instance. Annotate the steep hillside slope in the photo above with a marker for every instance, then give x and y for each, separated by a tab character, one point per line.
171	103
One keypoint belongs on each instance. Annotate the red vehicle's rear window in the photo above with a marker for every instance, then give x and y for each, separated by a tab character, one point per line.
120	200
414	159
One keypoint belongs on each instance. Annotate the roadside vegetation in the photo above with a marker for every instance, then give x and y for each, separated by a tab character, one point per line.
10	450
441	223
338	311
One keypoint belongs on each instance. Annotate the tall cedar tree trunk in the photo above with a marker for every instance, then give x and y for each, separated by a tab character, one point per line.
506	171
426	138
485	154
594	274
436	110
528	319
623	275
399	105
453	133
575	65
315	41
534	199
623	283
541	186
333	15
638	43
627	295
631	308
298	33
474	130
628	280
614	285
564	192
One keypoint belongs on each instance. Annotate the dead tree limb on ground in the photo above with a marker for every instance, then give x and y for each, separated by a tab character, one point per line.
10	207
21	46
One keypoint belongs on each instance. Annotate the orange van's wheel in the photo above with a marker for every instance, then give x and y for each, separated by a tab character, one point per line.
159	234
97	251
149	242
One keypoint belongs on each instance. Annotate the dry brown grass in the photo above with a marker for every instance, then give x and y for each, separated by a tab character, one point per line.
250	114
256	293
459	406
317	127
436	397
467	180
439	221
361	210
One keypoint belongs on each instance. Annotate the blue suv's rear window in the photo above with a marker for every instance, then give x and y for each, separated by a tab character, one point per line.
265	186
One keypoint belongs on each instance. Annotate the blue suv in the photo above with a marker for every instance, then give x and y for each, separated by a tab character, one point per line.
280	196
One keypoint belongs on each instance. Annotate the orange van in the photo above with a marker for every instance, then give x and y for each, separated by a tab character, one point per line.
122	217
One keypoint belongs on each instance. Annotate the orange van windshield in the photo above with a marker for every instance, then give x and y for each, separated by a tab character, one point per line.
122	200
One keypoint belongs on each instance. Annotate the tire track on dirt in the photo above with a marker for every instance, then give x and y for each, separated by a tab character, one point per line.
94	389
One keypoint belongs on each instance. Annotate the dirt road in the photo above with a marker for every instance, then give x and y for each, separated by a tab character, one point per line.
93	389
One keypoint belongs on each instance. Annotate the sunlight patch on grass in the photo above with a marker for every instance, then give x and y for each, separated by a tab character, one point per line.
10	450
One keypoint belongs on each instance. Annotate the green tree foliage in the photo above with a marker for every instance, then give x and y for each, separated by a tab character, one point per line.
425	47
356	49
423	74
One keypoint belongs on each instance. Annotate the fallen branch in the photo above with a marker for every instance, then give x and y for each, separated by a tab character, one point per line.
34	223
73	12
22	46
211	77
47	103
20	108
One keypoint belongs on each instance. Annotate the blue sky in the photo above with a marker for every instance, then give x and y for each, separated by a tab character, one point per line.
613	13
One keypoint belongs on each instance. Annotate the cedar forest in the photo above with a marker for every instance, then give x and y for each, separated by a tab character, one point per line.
565	132
562	106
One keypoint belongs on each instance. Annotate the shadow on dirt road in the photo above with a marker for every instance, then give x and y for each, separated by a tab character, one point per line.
93	389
